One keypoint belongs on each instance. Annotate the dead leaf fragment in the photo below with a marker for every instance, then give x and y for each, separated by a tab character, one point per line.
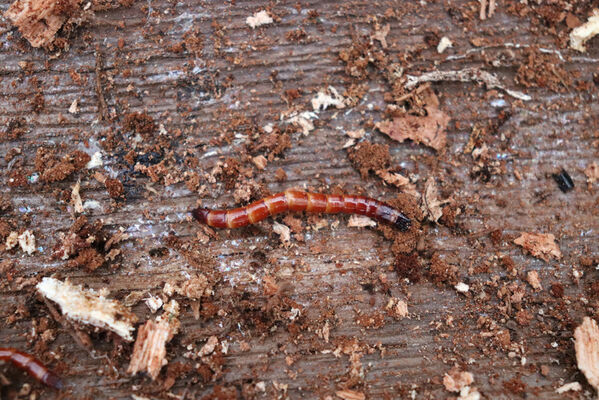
428	130
586	343
540	245
431	205
283	231
381	35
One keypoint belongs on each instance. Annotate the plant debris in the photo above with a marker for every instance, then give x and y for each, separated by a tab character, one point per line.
428	130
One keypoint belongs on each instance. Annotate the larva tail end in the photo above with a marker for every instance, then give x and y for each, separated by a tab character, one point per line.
402	223
53	380
201	214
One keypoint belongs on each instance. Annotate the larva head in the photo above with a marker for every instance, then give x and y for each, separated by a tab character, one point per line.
52	380
201	214
402	222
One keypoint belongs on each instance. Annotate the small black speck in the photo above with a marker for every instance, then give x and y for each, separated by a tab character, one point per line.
564	181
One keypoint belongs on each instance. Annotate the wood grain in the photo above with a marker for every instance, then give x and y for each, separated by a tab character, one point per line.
327	272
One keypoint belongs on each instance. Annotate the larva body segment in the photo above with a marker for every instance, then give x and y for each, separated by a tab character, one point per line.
31	365
295	200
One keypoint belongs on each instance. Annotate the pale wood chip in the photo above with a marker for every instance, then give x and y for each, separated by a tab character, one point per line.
539	245
283	231
532	277
149	351
260	162
586	344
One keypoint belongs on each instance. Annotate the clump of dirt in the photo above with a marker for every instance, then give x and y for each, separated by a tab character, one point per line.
15	128
441	272
141	123
369	157
115	188
408	266
55	169
87	245
543	70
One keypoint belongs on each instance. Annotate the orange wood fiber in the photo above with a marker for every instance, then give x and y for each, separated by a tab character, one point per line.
31	365
295	200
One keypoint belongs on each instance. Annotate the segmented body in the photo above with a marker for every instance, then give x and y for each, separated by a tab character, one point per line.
295	200
31	365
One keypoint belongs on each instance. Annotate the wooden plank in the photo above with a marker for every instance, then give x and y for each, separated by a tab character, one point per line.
334	273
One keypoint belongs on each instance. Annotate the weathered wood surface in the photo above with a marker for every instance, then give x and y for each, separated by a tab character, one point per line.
554	130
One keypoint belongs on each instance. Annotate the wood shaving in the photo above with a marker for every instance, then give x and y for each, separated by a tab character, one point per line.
76	199
258	19
27	242
581	34
572	386
360	221
149	351
456	379
283	231
329	98
586	343
39	20
428	130
350	395
464	75
444	43
74	108
532	277
398	180
89	307
154	303
431	205
540	245
483	9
